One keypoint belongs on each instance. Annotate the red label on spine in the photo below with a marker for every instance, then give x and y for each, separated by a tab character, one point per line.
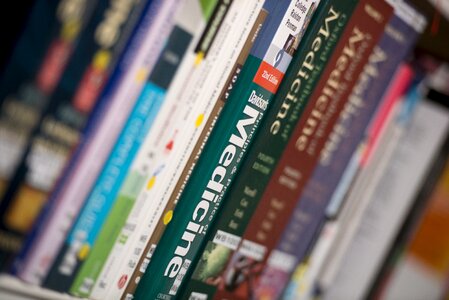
268	77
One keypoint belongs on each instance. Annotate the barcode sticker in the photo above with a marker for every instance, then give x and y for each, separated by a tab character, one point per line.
228	240
198	296
252	250
179	277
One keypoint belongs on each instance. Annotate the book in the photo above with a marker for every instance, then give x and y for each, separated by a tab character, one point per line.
97	205
223	152
344	141
373	164
302	152
174	60
391	201
312	55
303	284
40	56
48	234
421	268
182	168
417	209
187	114
61	125
383	136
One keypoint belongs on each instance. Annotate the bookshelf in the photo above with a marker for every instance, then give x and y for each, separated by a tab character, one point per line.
432	42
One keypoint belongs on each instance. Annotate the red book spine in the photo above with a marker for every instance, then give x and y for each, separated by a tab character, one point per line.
303	150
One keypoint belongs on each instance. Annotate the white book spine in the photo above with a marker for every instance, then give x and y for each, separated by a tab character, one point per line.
200	99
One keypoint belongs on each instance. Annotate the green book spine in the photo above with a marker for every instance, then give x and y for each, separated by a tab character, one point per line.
159	82
243	197
202	197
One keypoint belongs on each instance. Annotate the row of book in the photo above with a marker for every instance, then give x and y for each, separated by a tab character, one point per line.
228	149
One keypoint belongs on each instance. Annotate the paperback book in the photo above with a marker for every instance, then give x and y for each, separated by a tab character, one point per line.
309	213
96	207
61	125
34	69
187	124
178	49
66	200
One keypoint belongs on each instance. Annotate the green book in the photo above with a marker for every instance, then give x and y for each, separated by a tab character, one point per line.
178	44
244	195
199	204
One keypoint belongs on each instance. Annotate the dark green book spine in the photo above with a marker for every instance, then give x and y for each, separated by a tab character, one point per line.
209	184
201	199
243	197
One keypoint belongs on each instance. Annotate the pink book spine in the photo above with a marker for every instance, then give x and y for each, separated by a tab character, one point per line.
393	96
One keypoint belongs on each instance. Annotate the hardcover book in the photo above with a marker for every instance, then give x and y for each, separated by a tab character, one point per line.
384	120
302	152
63	120
66	200
85	229
343	142
187	122
173	60
223	153
303	75
34	69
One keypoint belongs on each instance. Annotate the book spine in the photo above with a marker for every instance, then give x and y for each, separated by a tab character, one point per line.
426	140
181	114
250	19
381	274
359	159
23	96
371	177
222	154
99	201
49	232
60	49
84	167
314	50
163	74
343	142
62	123
303	149
220	60
310	268
368	175
107	187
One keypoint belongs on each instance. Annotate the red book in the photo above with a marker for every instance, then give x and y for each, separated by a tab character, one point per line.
303	150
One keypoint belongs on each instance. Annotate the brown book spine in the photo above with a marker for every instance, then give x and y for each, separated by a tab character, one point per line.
303	150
